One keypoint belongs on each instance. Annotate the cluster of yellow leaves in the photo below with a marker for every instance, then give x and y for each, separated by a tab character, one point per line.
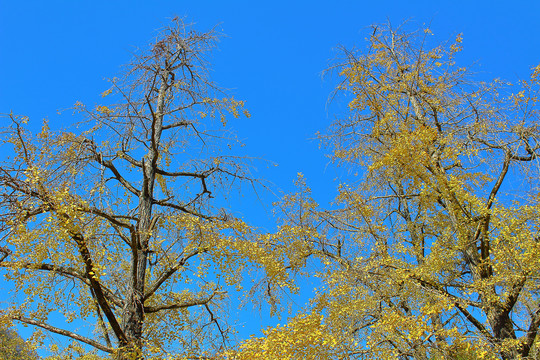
304	337
229	105
104	110
106	93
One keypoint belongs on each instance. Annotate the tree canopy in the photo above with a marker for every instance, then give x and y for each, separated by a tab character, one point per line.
119	223
13	347
430	251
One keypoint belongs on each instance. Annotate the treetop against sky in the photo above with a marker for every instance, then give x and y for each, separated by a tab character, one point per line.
147	207
272	56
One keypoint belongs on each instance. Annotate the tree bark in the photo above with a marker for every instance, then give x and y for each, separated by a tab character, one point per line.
133	316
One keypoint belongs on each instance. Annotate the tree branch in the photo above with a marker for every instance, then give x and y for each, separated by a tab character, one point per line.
513	294
202	175
98	157
6	253
98	290
213	319
64	332
177	124
167	274
183	304
181	208
111	218
500	179
100	319
474	321
63	271
528	340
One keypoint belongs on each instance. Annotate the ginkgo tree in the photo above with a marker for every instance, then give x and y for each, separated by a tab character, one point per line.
432	250
13	347
118	223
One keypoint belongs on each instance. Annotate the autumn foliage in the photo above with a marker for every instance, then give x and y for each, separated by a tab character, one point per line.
115	224
430	251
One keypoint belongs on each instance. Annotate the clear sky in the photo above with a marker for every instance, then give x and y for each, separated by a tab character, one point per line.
54	53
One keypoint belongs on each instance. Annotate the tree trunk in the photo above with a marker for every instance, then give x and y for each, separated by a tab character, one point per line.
133	315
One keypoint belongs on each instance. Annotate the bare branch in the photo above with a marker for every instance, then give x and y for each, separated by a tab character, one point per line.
182	123
6	252
67	333
182	208
474	321
113	219
171	271
200	175
98	157
213	319
182	305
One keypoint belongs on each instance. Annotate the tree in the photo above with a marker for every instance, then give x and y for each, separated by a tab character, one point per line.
13	347
117	225
432	249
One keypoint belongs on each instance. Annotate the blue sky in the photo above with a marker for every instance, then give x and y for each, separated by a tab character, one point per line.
54	53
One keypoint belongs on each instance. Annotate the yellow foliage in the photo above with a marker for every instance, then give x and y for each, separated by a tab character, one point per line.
431	249
115	228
